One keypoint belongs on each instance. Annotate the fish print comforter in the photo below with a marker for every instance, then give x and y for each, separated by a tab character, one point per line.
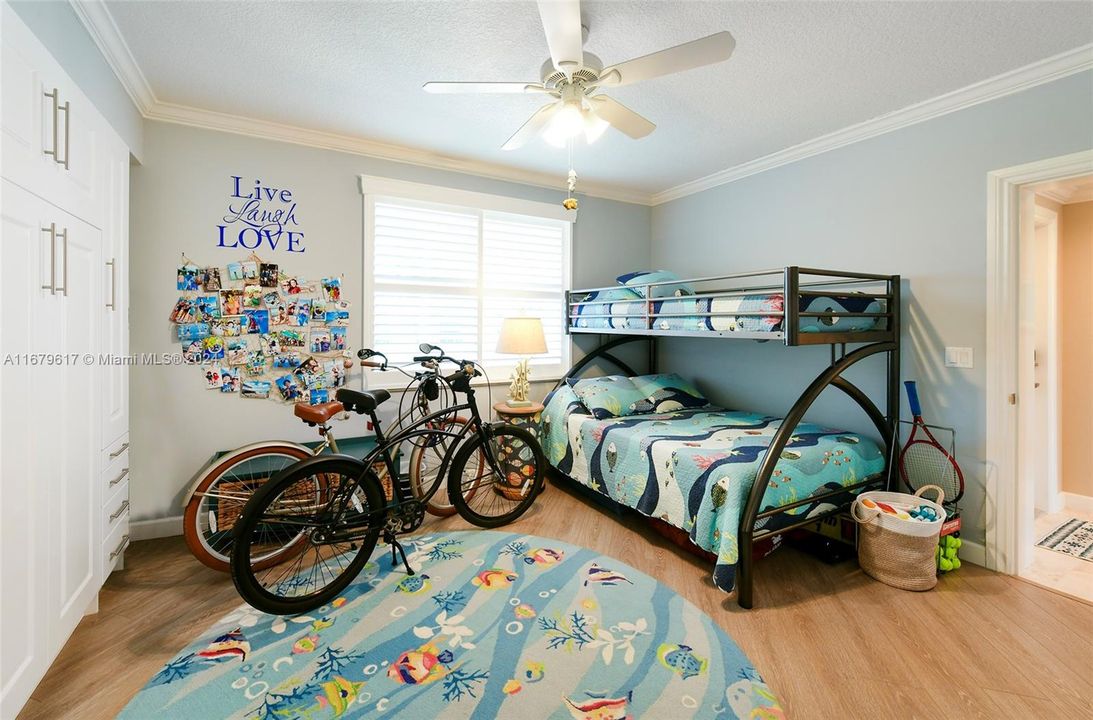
694	468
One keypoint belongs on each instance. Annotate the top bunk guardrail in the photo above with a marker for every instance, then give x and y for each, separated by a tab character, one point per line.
797	305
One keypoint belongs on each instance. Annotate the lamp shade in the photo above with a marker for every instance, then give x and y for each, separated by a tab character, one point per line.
522	336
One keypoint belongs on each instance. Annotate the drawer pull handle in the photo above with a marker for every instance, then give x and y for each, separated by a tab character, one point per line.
67	110
64	258
113	304
119	478
120	510
121	546
119	451
56	96
52	230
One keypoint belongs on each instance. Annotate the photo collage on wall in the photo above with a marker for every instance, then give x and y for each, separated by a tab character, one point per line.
258	332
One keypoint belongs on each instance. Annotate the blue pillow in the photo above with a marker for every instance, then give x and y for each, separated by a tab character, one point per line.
634	280
605	297
608	397
666	393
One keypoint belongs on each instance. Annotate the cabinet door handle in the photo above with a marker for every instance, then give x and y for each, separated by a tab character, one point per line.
119	511
56	95
64	258
67	110
119	478
113	305
121	546
52	230
119	451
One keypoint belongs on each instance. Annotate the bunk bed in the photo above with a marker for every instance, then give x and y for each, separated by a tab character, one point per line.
721	475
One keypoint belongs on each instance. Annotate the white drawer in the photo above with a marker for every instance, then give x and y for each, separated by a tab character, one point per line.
113	547
115	508
116	452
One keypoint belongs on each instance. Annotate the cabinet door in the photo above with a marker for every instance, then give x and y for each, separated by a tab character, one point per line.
74	498
22	104
27	446
115	307
76	183
51	132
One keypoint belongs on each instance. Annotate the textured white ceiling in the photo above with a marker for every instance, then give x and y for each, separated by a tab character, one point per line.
800	70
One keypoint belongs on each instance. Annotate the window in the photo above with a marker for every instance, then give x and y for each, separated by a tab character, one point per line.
449	272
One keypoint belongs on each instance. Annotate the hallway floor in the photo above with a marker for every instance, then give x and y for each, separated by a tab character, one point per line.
1054	570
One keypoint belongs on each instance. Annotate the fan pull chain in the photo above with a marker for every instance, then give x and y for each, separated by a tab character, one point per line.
570	202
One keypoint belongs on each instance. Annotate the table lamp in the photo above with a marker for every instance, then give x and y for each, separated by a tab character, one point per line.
521	336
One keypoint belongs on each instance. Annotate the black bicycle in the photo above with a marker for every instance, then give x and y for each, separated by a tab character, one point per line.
337	502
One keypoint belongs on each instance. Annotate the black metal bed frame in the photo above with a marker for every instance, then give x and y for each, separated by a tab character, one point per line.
873	342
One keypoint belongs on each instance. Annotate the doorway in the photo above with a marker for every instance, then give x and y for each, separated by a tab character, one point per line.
1038	310
1059	415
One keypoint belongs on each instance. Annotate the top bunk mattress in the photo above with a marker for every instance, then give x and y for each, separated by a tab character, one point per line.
722	315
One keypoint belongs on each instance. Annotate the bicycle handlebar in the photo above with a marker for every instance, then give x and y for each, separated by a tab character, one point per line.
467	367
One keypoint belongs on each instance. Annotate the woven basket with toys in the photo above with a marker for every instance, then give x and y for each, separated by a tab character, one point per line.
898	536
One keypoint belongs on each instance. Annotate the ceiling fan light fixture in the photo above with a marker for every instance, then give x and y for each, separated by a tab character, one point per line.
573	120
568	122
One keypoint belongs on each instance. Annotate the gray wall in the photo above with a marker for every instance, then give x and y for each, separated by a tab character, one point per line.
60	30
911	202
179	194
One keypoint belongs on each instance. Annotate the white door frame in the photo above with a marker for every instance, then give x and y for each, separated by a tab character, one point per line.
1006	490
1049	374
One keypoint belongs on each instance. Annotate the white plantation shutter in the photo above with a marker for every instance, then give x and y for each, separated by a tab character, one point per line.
449	275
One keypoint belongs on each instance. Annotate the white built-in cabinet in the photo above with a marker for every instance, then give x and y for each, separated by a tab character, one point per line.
64	406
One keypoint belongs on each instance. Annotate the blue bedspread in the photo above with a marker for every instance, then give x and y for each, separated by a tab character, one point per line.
694	468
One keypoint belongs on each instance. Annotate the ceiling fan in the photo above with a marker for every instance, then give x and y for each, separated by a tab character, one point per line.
572	76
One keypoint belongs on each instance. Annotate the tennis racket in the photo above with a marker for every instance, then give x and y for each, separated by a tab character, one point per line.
924	461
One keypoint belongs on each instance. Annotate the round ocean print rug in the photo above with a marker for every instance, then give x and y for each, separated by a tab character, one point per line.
492	625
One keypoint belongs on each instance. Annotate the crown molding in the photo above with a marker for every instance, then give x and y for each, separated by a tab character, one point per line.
1038	73
104	31
224	122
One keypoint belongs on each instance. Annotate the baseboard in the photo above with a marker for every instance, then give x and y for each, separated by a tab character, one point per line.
158	528
1074	501
973	553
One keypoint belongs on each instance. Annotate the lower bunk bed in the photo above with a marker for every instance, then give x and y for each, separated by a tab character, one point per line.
694	467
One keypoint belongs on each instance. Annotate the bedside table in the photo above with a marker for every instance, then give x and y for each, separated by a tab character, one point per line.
527	417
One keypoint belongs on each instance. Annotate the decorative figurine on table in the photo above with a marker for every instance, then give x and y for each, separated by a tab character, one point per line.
521	336
520	386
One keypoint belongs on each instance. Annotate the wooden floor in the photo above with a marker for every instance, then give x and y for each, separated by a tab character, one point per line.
829	640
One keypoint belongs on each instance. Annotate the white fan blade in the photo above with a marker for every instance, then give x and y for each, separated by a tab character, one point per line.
446	88
562	24
705	51
620	116
532	127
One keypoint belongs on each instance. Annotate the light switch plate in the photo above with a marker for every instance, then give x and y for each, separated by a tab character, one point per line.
958	357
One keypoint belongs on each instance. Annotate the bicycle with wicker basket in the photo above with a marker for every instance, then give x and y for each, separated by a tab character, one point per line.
330	510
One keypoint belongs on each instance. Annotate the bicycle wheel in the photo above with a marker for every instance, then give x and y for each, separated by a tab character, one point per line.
291	504
218	499
501	489
426	461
